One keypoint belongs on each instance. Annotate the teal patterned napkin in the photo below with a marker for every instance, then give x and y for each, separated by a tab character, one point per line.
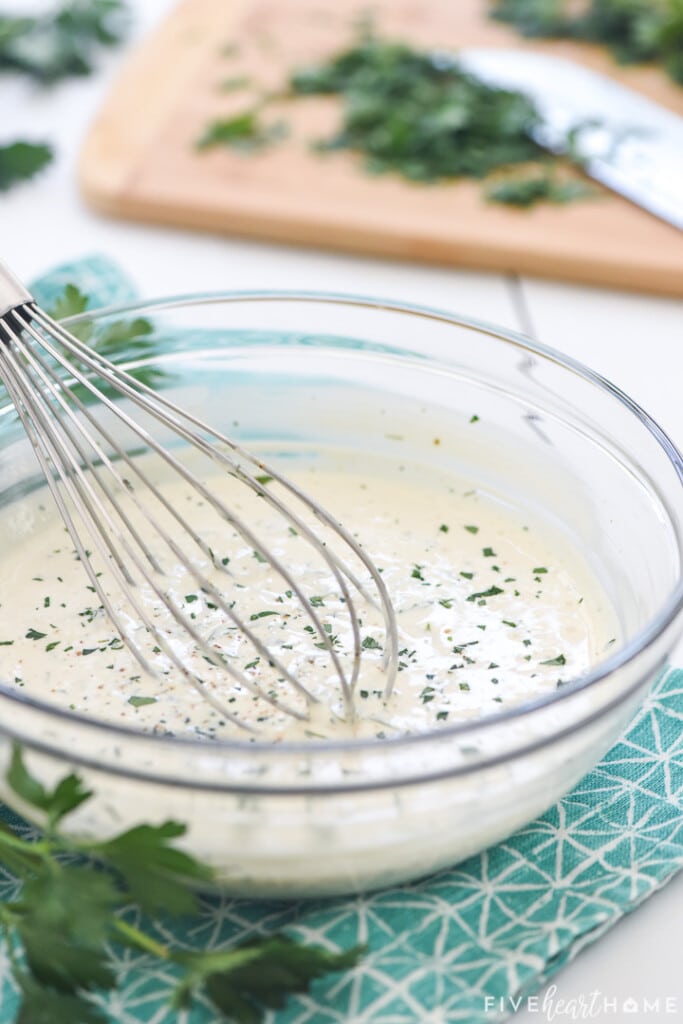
466	943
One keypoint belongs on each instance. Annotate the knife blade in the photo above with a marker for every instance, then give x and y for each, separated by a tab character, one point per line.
624	140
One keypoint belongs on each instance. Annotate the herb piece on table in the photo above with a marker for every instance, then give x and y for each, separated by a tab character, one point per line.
20	161
61	43
49	48
74	904
634	30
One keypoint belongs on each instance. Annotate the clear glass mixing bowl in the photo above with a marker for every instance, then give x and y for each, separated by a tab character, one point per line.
327	817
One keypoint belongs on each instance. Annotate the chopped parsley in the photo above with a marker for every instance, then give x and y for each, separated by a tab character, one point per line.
491	592
559	660
245	132
370	644
525	190
635	31
22	160
419	115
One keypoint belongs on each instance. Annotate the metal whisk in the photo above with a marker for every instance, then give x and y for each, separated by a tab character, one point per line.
127	530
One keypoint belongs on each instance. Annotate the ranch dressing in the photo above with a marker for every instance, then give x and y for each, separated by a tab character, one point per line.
493	611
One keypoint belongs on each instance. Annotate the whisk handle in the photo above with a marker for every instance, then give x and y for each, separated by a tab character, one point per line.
12	291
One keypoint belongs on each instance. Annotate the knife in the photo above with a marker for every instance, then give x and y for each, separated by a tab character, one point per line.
629	143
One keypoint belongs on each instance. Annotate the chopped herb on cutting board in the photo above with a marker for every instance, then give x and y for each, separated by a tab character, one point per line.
636	31
419	115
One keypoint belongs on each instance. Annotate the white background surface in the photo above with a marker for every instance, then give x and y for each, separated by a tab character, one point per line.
637	341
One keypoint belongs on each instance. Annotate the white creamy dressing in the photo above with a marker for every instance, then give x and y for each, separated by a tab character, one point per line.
493	611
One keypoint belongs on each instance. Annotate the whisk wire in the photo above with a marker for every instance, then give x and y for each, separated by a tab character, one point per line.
52	382
46	370
119	378
90	510
129	390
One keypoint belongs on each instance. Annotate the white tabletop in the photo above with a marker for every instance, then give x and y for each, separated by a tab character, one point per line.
635	340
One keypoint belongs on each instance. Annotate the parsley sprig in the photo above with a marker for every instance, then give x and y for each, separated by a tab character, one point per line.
75	901
122	340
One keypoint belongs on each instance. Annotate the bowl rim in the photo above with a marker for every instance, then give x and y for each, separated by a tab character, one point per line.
648	635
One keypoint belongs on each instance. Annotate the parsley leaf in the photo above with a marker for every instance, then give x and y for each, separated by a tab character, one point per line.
46	1006
124	339
527	190
78	959
272	967
491	592
21	160
244	131
67	795
369	643
559	660
155	873
71	302
141	702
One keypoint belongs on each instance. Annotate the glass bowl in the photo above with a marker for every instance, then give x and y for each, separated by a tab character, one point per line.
336	817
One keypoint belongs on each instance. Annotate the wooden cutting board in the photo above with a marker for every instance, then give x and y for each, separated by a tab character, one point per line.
140	159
